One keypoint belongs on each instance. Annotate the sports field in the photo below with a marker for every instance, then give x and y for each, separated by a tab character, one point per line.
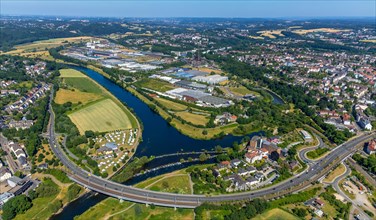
101	116
276	214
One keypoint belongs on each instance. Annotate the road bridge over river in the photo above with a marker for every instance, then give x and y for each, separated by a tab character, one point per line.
117	190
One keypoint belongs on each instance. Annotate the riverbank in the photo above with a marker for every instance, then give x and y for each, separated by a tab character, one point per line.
104	114
186	129
159	138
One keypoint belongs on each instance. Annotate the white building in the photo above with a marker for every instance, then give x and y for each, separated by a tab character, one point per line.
211	79
4	174
4	197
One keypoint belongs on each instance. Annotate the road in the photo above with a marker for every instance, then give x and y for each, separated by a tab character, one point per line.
355	204
130	193
303	153
360	169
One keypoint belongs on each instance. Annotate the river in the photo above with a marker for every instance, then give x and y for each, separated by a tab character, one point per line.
158	136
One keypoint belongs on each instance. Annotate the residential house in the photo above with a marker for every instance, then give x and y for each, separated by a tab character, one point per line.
319	202
4	174
371	147
225	118
319	212
365	124
259	176
23	162
16	149
23	124
235	162
252	181
346	118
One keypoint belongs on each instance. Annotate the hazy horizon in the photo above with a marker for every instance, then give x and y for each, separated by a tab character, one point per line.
193	9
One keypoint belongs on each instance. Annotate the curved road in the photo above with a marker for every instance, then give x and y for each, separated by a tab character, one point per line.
303	153
355	204
110	188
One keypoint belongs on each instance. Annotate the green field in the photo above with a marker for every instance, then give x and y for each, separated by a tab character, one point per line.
171	105
83	84
111	208
193	118
155	84
95	108
101	116
186	129
75	97
70	73
276	214
175	184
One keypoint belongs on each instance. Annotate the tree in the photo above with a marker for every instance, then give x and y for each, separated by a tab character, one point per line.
89	134
205	132
301	212
203	157
218	149
16	205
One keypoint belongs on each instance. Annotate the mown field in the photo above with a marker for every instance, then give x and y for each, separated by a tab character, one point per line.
83	84
174	106
175	184
94	107
101	116
70	73
76	96
276	214
80	88
193	118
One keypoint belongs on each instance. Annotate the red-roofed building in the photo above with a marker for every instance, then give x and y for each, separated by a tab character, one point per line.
346	119
253	156
371	147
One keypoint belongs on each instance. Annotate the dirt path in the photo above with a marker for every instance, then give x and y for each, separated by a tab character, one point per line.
42	175
190	183
109	216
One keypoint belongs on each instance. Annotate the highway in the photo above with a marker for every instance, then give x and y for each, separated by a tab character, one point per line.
117	190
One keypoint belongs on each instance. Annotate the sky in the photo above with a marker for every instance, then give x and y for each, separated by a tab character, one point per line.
191	8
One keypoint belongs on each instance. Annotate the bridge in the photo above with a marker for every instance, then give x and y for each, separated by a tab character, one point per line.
314	171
